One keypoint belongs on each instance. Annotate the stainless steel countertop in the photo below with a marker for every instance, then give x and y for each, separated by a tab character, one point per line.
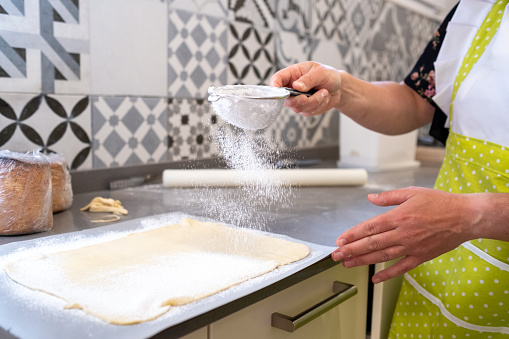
331	209
318	215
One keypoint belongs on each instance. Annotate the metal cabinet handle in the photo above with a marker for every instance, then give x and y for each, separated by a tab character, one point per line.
342	292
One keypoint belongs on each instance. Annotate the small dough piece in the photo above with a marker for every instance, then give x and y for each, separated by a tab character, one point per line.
110	218
138	277
99	204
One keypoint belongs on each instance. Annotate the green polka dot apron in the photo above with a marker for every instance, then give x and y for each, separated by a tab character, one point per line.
465	293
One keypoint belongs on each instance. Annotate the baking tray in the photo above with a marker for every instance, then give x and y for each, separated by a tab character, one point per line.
30	314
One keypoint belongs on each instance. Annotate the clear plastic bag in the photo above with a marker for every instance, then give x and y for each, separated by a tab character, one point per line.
25	193
61	182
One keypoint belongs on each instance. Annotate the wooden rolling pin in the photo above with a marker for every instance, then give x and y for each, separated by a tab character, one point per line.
294	177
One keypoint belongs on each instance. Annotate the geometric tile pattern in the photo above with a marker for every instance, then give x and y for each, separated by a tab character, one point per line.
53	123
294	16
389	36
293	32
260	13
191	124
44	46
329	20
292	48
196	54
129	131
251	55
294	131
291	131
217	8
45	51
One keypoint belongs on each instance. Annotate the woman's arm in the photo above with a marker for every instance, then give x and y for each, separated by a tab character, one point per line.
425	224
385	107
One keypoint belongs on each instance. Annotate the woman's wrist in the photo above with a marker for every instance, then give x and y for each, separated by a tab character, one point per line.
349	93
488	216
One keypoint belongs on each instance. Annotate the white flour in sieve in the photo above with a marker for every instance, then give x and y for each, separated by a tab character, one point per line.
235	104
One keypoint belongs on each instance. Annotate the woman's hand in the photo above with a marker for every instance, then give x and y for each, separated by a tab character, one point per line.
305	76
384	107
426	224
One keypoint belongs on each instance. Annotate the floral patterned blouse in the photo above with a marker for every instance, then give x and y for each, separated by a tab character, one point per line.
422	78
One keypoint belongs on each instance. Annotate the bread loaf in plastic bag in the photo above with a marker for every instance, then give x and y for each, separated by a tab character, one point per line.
61	182
25	193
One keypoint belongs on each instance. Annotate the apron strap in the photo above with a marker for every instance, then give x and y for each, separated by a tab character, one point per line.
481	40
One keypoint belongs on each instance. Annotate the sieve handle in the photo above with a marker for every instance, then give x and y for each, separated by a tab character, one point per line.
294	92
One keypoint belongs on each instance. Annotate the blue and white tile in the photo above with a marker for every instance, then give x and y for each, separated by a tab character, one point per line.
191	126
291	48
197	54
390	36
328	16
323	129
217	8
44	47
294	16
421	33
288	131
293	34
128	43
359	20
259	13
252	58
293	131
129	130
54	123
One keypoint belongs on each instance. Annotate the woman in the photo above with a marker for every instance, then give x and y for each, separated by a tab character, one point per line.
454	246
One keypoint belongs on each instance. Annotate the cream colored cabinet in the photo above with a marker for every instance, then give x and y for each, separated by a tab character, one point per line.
202	333
385	297
347	320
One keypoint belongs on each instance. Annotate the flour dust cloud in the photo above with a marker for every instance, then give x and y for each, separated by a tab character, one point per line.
258	195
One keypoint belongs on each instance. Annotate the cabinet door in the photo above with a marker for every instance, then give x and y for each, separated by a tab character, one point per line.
385	297
202	333
347	320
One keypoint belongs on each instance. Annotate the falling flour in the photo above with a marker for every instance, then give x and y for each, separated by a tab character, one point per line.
258	195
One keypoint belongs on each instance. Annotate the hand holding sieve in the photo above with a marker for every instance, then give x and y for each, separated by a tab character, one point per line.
250	107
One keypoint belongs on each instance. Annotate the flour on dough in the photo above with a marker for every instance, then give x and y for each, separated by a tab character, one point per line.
139	277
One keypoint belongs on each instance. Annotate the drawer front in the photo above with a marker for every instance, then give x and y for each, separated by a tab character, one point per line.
347	320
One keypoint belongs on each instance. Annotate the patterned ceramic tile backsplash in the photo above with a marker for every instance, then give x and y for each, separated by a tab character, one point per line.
119	82
196	53
54	123
129	131
44	47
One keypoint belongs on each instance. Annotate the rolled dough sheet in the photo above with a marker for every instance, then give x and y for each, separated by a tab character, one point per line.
138	277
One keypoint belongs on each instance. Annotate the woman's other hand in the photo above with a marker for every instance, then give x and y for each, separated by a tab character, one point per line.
425	224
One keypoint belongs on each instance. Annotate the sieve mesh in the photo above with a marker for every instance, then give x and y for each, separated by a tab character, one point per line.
246	106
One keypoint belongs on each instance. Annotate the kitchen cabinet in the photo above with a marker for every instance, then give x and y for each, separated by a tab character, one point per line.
202	333
385	297
347	320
